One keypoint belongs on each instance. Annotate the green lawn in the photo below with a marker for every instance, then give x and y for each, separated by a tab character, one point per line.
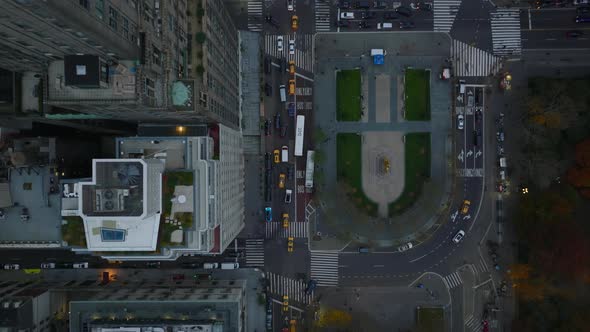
73	232
348	92
348	168
417	94
430	319
417	162
169	182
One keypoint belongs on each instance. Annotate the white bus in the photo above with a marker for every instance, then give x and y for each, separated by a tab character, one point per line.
309	169
299	135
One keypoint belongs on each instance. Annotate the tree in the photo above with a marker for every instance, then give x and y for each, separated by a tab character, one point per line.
579	174
333	318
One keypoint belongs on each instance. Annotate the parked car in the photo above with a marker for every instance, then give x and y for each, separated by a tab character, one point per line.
583	10
405	247
460	122
582	19
362	4
284	131
404	11
268	214
280	43
11	266
406	25
347	16
459	236
153	265
268	89
48	265
267	65
425	6
344	5
268	161
368	15
380	4
289	172
208	266
390	16
342	24
83	265
267	128
277	121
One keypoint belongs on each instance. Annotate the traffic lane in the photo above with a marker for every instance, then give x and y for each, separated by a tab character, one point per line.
532	39
371	25
561	18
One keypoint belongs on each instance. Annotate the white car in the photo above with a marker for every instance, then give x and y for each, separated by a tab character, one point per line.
460	121
11	266
48	265
347	16
291	46
290	6
80	265
459	236
280	43
288	194
405	247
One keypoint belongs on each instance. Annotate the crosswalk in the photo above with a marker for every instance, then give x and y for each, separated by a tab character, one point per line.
473	324
506	38
481	266
324	267
470	172
303	56
322	16
445	12
470	61
295	229
255	252
452	280
255	18
280	285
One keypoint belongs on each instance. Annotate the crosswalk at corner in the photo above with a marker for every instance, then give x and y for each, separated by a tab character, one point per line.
322	16
470	61
452	280
255	15
445	12
506	39
324	267
255	252
473	324
303	56
295	289
481	266
295	229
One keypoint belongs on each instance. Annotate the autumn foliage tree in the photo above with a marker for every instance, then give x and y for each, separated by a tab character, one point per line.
333	318
579	174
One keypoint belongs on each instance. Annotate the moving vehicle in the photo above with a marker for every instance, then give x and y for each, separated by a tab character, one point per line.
278	121
83	265
267	65
285	220
268	89
277	156
209	266
344	5
380	4
582	19
460	121
283	93
384	26
268	214
282	180
424	6
291	87
406	25
299	131
288	194
573	34
291	109
48	265
390	16
294	22
405	247
291	46
404	11
267	127
465	207
309	168
280	43
285	154
290	244
362	4
268	161
230	266
290	5
363	250
11	266
347	16
459	236
284	131
368	15
292	67
285	303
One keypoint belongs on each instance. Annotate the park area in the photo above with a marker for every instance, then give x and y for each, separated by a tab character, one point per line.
348	95
430	319
417	95
349	166
417	162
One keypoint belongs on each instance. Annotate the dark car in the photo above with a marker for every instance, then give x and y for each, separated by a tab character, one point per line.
582	19
344	5
178	276
583	10
404	11
284	131
277	121
268	161
153	265
289	172
406	25
267	128
187	265
368	15
390	16
380	4
283	65
342	24
425	6
268	89
270	20
267	65
573	34
365	25
362	5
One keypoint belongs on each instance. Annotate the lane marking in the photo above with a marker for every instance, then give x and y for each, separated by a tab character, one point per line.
530	23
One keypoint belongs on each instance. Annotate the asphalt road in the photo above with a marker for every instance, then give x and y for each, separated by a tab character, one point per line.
548	29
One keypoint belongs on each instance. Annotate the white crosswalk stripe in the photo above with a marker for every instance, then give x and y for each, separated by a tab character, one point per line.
324	267
255	252
453	280
303	56
295	229
445	12
294	289
471	61
473	324
255	18
481	266
506	38
322	16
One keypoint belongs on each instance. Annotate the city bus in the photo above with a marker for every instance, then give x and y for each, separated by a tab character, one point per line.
299	135
309	169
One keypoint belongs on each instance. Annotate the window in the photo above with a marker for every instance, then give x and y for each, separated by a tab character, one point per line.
113	18
84	3
99	5
156	55
125	27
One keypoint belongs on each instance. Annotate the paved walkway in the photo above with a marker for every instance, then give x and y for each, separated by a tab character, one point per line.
344	51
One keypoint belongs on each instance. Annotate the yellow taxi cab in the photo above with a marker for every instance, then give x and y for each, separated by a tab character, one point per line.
294	22
281	181
465	207
292	67
285	220
277	156
290	244
291	87
285	303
